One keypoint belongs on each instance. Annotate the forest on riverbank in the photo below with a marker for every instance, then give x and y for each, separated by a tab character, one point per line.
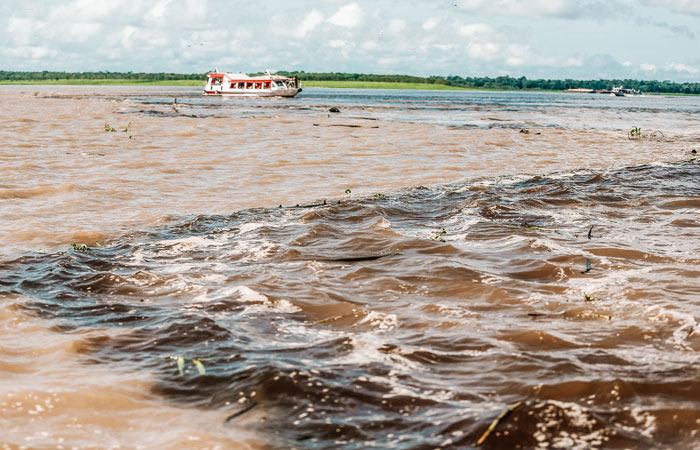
356	79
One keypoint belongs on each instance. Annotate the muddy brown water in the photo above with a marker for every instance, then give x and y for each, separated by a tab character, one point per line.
262	273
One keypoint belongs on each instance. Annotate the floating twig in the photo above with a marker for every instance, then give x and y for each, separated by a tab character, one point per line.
328	319
298	206
535	227
241	412
497	421
590	231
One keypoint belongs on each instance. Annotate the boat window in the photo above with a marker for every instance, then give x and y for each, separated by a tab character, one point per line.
216	80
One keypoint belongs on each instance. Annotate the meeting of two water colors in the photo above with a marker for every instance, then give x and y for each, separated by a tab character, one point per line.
544	273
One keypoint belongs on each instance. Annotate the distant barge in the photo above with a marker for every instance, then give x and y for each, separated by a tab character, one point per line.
240	84
618	91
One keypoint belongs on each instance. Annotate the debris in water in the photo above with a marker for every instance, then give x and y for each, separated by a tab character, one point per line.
439	235
588	266
180	363
590	298
80	247
241	412
328	319
200	367
589	231
535	227
497	421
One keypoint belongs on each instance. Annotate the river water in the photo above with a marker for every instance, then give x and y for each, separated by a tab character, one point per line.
181	271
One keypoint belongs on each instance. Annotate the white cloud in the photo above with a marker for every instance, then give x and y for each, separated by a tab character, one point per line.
337	43
33	52
691	7
155	16
311	21
431	23
370	45
24	31
84	31
397	26
647	67
349	16
566	9
484	43
679	67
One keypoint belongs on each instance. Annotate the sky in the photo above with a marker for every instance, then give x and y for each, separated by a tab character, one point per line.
580	39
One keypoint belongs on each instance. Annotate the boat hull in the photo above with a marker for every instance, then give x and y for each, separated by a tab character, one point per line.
254	93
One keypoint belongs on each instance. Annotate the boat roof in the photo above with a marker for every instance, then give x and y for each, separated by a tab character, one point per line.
243	76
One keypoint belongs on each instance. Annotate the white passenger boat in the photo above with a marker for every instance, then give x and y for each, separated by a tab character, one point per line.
267	85
619	91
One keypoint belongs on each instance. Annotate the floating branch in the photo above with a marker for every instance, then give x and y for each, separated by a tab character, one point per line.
241	412
535	227
328	319
80	247
497	421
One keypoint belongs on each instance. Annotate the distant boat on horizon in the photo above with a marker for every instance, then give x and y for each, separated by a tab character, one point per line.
619	91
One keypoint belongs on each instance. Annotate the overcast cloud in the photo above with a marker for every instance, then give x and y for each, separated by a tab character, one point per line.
649	39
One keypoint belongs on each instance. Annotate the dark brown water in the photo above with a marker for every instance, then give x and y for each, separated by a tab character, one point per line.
468	269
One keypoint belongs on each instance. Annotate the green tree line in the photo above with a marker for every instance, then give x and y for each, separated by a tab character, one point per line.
55	76
502	82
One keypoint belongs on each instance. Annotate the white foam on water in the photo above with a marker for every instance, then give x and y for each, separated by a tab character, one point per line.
548	434
251	226
646	422
178	246
381	321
